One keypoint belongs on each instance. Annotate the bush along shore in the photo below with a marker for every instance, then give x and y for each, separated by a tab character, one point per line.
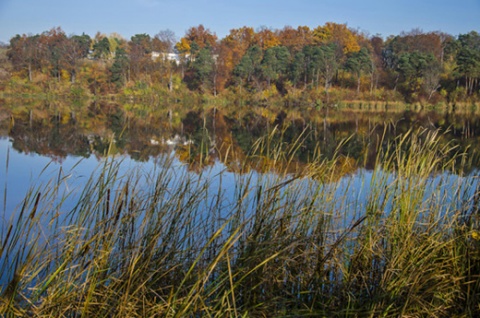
171	243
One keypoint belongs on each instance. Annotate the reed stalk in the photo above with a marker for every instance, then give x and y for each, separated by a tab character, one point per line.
287	241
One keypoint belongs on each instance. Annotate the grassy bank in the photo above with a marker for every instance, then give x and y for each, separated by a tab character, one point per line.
145	90
169	243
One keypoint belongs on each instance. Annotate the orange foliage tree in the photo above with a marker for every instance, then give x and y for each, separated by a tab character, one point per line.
200	36
295	39
230	51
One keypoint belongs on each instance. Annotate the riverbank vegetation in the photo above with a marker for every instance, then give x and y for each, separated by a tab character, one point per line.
294	67
169	243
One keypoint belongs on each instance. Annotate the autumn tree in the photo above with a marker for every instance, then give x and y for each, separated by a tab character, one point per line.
345	40
195	39
164	41
239	40
199	37
97	78
359	63
183	46
295	39
51	51
54	42
267	38
413	61
25	54
116	40
75	48
230	51
410	42
418	41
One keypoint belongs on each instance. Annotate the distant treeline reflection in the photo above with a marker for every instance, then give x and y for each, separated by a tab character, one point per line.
199	136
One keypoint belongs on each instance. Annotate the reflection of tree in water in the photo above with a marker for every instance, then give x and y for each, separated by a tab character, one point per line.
52	139
203	136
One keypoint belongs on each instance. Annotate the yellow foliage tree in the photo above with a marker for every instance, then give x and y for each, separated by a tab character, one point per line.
183	46
115	41
338	33
268	38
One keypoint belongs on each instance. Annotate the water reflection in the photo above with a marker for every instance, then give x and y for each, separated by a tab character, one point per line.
202	135
35	136
219	155
28	172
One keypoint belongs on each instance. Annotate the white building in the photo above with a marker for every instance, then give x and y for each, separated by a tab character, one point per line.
168	56
175	57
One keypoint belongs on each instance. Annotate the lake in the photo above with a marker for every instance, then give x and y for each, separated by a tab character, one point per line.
194	183
37	147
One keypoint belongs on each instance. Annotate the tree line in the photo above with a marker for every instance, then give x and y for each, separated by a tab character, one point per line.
415	65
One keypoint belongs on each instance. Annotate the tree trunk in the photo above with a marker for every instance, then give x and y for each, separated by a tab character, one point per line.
396	83
358	85
215	74
30	72
305	80
73	76
433	91
326	90
372	76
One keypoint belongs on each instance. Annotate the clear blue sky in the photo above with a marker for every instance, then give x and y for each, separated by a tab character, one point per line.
129	17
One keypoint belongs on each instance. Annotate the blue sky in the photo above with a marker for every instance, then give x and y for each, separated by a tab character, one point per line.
129	17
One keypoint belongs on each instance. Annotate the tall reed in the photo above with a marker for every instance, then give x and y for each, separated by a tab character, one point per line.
283	242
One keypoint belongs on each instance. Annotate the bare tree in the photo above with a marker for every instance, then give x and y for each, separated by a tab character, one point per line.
164	41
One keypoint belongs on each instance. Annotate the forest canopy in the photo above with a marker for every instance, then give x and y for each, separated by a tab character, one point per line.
325	63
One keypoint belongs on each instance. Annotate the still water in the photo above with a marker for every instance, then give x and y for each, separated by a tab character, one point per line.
54	160
39	148
23	173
